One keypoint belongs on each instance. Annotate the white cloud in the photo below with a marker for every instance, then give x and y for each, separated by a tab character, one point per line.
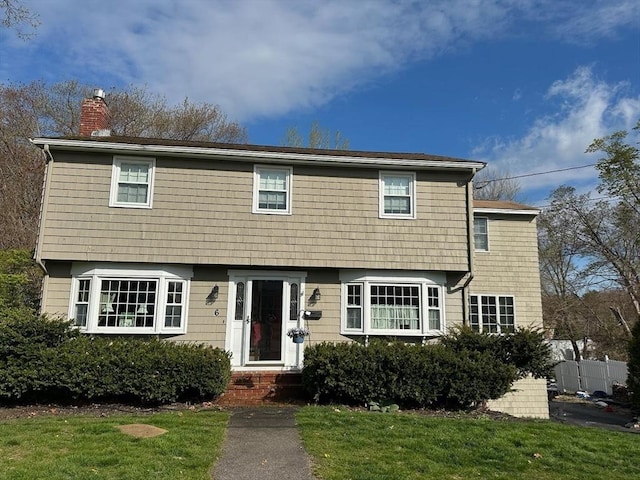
259	58
588	108
590	20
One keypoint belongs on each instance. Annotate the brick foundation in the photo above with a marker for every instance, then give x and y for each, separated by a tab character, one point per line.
259	388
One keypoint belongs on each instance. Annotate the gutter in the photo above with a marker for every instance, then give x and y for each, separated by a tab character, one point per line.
256	155
470	243
533	211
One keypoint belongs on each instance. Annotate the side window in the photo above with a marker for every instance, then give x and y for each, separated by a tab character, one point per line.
239	313
354	306
132	182
272	190
294	298
397	195
492	313
81	306
481	234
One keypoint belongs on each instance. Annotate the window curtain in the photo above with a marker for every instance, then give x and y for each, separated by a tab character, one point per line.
395	317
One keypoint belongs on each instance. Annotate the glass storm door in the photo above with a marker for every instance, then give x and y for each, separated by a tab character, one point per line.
263	324
262	307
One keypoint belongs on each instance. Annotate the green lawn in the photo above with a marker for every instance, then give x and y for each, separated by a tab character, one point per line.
360	445
79	447
344	444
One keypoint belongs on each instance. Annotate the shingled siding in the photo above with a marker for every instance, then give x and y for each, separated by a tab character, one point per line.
206	322
510	267
202	215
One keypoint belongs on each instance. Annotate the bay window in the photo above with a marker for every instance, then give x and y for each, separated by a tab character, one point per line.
388	305
144	299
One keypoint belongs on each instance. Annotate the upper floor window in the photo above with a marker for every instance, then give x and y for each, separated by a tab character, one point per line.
492	313
117	300
272	190
397	195
375	305
132	182
481	233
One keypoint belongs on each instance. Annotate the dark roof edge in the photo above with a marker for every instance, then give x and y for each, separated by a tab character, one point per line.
503	206
164	146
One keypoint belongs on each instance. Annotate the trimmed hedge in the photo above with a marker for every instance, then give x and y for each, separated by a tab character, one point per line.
466	369
44	360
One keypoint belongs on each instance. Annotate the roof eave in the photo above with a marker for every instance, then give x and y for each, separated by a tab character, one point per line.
345	160
533	211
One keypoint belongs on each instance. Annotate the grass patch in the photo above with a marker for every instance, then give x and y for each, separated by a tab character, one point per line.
360	445
79	447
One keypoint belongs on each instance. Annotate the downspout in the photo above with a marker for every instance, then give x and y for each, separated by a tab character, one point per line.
470	251
37	256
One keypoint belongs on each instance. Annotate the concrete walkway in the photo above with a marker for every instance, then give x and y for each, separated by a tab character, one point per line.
263	444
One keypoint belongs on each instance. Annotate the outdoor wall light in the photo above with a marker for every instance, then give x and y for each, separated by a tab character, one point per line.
213	296
316	295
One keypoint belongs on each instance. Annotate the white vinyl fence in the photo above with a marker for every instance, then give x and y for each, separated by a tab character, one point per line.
590	375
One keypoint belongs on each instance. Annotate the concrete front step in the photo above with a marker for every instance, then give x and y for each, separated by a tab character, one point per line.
259	388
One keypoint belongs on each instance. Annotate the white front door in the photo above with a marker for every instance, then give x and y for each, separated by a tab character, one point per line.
262	307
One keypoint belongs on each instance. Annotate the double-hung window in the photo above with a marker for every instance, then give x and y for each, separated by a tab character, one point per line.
481	233
132	182
492	313
129	300
272	190
397	195
380	305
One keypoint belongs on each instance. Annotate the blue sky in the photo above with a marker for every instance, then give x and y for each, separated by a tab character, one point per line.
524	85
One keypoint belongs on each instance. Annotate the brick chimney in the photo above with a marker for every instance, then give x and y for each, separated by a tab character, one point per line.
94	115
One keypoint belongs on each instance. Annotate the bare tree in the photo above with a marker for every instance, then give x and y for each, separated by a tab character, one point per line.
603	235
16	16
318	138
136	112
38	109
563	276
21	166
495	185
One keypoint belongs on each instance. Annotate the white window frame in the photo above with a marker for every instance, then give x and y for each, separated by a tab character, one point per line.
368	279
115	181
163	275
499	323
257	172
383	176
485	234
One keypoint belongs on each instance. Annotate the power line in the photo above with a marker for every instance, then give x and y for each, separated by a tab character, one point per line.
594	199
486	182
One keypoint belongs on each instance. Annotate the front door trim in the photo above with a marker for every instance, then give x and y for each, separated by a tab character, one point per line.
237	329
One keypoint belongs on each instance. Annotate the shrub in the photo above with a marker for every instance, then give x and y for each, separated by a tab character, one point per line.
410	375
25	340
526	349
20	280
45	360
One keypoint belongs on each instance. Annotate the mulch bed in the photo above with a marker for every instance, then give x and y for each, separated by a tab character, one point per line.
96	410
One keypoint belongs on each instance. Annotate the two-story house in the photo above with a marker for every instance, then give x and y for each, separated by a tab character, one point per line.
233	245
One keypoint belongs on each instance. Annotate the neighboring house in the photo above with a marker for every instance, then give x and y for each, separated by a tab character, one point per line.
232	245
